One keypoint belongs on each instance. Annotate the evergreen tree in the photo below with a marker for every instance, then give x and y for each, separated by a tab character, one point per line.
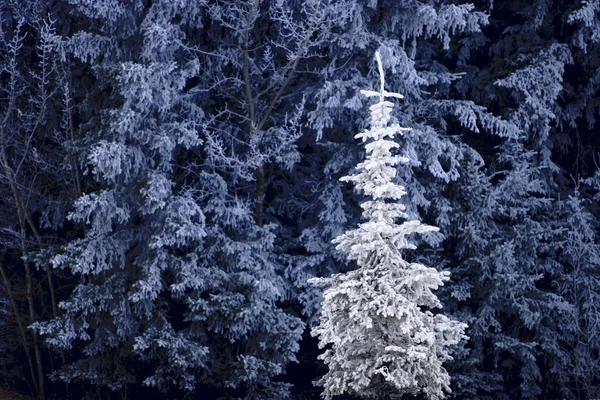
511	238
179	289
377	318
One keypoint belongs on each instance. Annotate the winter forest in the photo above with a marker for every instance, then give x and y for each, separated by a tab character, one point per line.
300	199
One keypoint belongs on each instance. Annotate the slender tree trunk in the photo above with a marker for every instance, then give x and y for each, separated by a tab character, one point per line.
260	195
23	214
73	159
25	220
22	330
27	216
32	317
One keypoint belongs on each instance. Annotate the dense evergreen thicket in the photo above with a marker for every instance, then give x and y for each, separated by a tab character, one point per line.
170	183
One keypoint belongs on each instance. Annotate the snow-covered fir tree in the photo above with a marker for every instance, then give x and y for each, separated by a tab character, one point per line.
385	340
176	278
517	217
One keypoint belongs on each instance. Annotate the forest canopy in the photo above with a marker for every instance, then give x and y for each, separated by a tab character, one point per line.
179	213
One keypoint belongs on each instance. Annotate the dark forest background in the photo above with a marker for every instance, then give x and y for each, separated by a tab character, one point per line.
169	181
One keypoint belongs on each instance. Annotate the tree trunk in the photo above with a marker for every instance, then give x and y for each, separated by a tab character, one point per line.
22	330
260	195
32	317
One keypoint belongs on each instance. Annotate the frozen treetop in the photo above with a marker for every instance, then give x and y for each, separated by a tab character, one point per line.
380	112
376	179
378	169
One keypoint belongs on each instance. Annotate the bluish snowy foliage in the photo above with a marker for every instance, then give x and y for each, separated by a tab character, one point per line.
170	182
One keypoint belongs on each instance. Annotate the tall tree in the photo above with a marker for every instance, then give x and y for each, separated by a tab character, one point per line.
177	275
513	237
385	340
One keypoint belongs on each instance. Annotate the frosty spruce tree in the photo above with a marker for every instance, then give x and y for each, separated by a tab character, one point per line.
385	341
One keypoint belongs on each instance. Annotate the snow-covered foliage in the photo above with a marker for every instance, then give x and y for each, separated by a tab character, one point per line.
384	338
198	146
174	272
512	214
580	285
334	108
